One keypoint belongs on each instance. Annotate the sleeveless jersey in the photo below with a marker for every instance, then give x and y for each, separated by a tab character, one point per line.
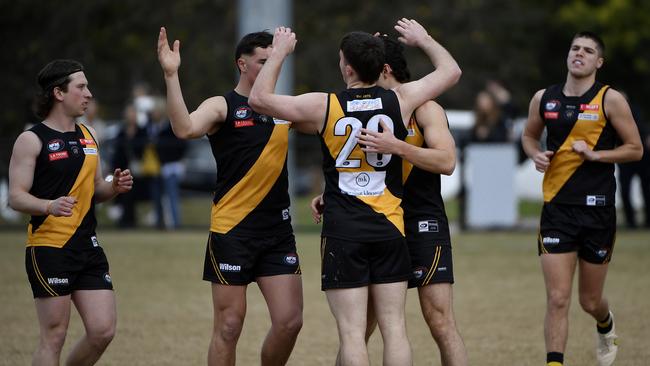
251	197
363	191
569	179
65	166
424	209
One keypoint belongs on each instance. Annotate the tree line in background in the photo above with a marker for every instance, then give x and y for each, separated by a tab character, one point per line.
523	43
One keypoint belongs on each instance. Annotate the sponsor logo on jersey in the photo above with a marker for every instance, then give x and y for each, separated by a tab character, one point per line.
225	267
87	141
243	112
362	183
569	114
553	105
58	155
57	281
551	115
278	121
359	105
588	117
107	278
550	241
596	200
419	272
90	151
291	258
94	240
285	214
244	123
362	179
411	132
74	149
589	107
428	226
55	145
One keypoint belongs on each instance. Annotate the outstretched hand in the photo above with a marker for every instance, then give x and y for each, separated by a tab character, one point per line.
284	41
170	59
412	33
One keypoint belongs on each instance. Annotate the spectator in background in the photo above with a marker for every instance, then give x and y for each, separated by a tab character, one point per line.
143	102
641	168
170	151
489	122
151	162
93	120
128	152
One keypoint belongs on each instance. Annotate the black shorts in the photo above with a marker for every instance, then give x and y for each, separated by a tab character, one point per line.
61	271
590	231
431	263
348	264
238	260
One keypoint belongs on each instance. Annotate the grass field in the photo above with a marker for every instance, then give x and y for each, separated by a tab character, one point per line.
165	314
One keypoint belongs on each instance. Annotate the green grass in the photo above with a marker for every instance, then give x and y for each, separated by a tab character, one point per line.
165	312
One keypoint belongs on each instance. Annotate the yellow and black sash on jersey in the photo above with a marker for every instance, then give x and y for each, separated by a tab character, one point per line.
251	196
569	179
66	166
362	190
424	209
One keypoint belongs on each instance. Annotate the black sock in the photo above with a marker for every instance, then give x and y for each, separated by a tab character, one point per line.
555	357
605	325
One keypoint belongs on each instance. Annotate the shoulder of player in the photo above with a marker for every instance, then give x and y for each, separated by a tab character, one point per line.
429	112
28	143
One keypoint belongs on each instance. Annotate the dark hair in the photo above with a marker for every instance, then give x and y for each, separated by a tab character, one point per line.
396	60
594	37
249	42
54	74
365	53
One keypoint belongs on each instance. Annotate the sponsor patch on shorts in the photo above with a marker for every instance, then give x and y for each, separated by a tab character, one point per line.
428	226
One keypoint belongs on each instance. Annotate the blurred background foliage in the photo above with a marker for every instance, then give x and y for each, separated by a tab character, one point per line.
523	43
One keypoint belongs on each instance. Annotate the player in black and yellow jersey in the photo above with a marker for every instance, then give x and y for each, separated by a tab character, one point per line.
363	248
583	119
251	238
55	176
428	151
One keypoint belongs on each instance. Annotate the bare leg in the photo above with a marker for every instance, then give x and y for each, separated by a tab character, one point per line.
283	296
98	313
591	281
389	300
558	272
351	323
437	308
53	319
229	303
371	325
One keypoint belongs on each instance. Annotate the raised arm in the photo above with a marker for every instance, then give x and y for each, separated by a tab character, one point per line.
446	73
306	111
619	114
207	118
532	134
440	154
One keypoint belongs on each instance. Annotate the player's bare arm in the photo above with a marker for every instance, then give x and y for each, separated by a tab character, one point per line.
446	73
207	118
21	178
619	114
532	134
305	111
440	155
